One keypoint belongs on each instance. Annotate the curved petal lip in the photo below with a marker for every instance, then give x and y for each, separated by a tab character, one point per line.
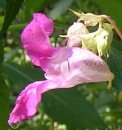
45	22
35	38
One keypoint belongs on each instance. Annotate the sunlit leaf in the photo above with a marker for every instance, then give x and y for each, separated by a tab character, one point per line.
112	8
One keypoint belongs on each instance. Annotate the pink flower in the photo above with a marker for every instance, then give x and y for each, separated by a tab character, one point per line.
64	67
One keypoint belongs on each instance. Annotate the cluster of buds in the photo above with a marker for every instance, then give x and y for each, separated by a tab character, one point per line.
98	41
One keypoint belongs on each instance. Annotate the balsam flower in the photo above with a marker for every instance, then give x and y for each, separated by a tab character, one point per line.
64	67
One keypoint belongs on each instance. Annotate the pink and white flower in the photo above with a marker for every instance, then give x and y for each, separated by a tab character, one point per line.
64	67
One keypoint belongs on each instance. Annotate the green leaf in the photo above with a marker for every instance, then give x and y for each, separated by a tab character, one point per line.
115	64
59	8
12	10
112	8
4	97
32	6
23	75
2	3
69	107
60	25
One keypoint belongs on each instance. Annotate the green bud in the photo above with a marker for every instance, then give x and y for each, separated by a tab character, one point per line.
104	40
90	44
74	40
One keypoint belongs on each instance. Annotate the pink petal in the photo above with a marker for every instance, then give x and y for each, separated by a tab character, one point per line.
46	23
57	67
26	103
35	38
76	66
86	67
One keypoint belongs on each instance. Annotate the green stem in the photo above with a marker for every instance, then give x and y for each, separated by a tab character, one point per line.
114	25
42	115
51	124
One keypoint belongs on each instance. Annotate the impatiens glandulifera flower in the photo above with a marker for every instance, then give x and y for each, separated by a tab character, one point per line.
64	67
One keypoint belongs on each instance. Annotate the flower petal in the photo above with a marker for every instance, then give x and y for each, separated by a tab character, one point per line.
76	66
26	103
46	23
87	67
35	38
57	68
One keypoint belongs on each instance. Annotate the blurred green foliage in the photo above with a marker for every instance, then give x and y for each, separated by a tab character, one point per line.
87	106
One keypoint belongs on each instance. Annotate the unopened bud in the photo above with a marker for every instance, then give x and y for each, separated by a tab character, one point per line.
73	32
104	39
77	28
90	44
